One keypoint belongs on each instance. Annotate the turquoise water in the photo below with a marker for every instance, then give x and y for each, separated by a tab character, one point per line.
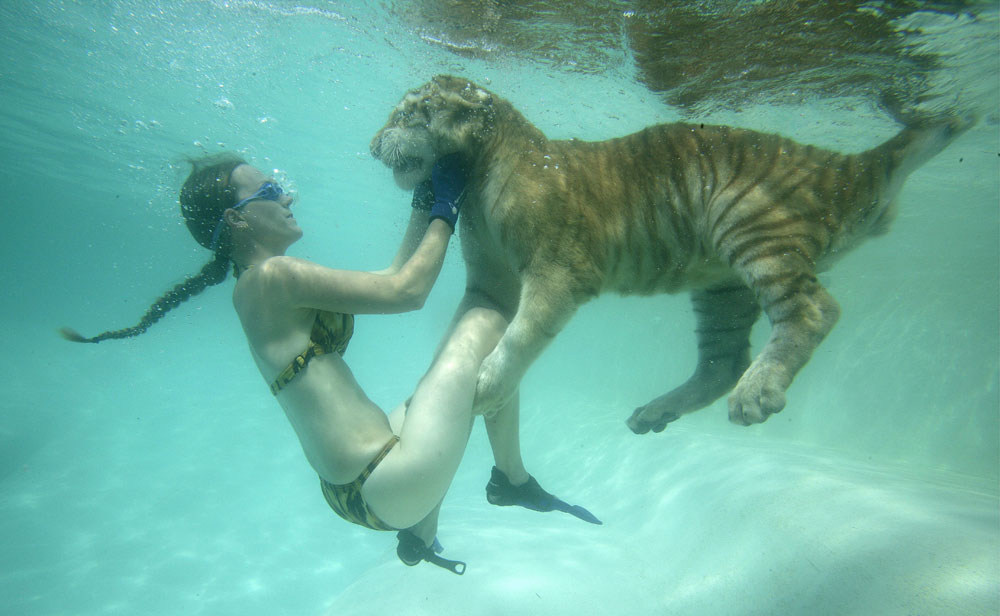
157	476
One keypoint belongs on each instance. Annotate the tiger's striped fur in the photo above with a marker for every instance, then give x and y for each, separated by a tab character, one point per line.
742	219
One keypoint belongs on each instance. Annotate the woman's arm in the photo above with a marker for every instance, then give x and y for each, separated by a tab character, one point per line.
308	285
437	197
404	286
411	239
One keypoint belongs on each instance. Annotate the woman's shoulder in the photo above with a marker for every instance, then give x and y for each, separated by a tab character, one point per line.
280	266
263	283
281	271
282	281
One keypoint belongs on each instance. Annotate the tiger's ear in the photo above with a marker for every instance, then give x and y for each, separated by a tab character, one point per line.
469	104
473	120
462	87
479	94
467	110
462	105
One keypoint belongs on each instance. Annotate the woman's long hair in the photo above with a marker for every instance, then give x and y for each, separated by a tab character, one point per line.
205	196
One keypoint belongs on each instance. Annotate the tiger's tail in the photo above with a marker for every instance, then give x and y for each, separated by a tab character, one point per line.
916	144
903	154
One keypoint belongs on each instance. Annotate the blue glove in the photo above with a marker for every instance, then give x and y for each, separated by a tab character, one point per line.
423	196
446	187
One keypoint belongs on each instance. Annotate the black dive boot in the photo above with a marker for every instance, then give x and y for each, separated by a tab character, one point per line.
530	495
411	550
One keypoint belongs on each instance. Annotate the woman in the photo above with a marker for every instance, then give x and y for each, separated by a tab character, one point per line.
382	472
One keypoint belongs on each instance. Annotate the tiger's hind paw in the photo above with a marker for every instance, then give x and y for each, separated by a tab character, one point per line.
642	420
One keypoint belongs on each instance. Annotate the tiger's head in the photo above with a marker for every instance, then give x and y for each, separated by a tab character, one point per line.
445	115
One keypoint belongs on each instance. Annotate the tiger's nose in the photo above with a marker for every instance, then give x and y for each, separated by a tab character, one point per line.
376	146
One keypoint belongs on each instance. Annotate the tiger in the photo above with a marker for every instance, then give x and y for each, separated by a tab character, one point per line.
740	219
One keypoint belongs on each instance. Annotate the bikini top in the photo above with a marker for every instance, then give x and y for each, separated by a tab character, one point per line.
331	333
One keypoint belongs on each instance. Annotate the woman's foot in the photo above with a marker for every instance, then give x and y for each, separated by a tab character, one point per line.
501	492
412	549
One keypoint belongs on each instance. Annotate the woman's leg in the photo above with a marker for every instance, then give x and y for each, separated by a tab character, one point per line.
503	427
503	432
426	529
513	485
414	476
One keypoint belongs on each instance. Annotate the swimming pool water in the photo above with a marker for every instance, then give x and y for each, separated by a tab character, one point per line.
157	476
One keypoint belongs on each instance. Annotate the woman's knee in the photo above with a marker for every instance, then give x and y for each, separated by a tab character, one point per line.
458	360
486	320
478	332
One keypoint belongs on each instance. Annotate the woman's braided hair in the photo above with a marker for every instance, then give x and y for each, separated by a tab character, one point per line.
204	198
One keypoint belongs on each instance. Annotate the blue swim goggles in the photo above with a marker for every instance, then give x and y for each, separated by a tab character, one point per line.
268	191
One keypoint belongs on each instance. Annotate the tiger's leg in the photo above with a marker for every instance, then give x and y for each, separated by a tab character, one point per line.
801	312
547	302
725	314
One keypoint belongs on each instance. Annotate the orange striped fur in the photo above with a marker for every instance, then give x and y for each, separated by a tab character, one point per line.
741	219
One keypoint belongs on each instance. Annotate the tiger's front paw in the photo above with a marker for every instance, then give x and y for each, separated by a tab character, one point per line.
759	394
492	389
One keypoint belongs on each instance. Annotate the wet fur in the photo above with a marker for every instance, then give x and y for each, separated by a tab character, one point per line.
741	219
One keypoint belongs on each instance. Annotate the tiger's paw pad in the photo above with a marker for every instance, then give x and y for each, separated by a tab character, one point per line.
643	420
759	393
749	406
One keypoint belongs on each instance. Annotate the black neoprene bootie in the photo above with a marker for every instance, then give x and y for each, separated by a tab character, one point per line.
530	495
411	550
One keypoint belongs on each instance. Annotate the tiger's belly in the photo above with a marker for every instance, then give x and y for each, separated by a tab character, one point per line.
639	271
673	280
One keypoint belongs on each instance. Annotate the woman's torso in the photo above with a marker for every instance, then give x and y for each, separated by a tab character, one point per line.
340	429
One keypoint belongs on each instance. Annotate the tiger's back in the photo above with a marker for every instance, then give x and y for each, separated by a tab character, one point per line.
676	206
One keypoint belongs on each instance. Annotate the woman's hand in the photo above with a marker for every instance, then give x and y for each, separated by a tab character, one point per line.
441	194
